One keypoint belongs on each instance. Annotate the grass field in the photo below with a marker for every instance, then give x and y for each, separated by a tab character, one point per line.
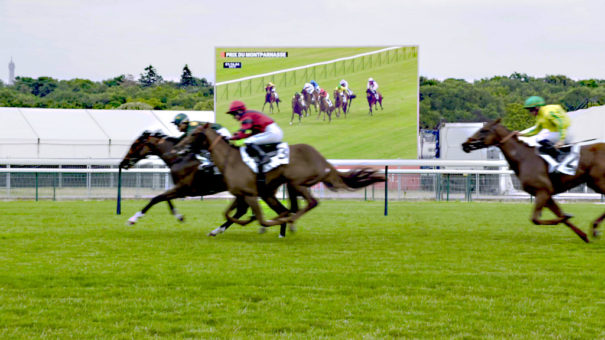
390	133
428	270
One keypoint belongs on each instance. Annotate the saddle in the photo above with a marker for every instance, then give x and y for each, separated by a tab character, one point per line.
269	149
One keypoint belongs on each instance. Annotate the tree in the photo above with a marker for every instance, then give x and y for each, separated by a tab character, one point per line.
150	77
187	78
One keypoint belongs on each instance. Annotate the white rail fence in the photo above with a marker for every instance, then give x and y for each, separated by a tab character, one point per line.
55	179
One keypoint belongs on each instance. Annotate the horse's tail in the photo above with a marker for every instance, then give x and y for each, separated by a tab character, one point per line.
353	179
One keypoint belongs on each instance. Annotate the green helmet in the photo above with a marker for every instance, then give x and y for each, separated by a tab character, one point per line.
180	118
534	101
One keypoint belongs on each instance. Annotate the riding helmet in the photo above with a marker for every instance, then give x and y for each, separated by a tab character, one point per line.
235	106
180	118
534	101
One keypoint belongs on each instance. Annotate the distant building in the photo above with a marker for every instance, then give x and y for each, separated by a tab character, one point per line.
11	72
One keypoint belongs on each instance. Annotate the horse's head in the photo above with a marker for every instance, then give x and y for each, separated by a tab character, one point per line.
485	137
138	150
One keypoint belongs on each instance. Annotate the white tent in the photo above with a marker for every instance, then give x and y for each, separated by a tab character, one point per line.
31	133
587	124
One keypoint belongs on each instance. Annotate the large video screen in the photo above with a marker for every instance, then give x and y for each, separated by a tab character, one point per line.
386	131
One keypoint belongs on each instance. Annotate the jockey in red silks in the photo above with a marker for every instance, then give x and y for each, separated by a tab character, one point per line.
257	129
324	93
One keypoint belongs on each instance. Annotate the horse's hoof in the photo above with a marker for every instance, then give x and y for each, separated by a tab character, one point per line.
211	234
292	227
129	222
180	217
262	230
596	233
281	236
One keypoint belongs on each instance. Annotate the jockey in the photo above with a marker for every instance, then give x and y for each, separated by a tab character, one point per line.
271	88
315	86
308	87
551	125
186	127
373	87
257	129
324	93
345	84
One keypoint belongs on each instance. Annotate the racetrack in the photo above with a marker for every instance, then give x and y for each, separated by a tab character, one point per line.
428	270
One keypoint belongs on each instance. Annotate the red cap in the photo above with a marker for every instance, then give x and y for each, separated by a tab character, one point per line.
236	105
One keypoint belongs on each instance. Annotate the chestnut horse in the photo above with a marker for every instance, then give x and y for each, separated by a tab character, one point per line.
185	173
325	108
306	168
271	97
532	172
372	100
341	100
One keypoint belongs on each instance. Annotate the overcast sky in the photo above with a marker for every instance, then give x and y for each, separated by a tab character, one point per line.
470	39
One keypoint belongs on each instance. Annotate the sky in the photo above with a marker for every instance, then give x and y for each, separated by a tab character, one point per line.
468	39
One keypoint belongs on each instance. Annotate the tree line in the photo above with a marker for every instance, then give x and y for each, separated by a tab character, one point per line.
456	100
149	92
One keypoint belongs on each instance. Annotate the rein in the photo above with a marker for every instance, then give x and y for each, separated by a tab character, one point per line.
214	142
505	139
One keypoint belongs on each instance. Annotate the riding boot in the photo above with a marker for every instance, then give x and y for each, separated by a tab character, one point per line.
255	150
547	147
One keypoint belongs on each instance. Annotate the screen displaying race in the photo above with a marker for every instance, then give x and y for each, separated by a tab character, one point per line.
348	102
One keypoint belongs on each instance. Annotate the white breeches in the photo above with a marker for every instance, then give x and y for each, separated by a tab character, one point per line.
272	134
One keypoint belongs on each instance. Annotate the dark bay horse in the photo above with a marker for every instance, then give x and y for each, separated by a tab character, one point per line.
298	107
532	172
373	101
306	168
341	100
271	97
187	178
325	108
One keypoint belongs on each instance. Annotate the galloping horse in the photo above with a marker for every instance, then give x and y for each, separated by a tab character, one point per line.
341	100
311	100
297	107
373	101
271	97
185	173
306	168
325	108
533	174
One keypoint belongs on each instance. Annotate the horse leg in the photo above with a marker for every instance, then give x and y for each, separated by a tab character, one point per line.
253	203
277	104
311	201
165	196
543	199
595	225
233	206
242	207
279	208
293	195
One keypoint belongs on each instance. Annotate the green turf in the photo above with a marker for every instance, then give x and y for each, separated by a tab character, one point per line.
428	270
389	134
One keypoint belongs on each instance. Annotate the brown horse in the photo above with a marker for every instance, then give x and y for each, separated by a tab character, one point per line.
325	108
341	100
306	168
533	174
311	100
372	100
271	97
188	178
298	107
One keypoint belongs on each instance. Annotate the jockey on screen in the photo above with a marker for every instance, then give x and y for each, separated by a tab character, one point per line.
345	84
373	87
323	93
270	88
